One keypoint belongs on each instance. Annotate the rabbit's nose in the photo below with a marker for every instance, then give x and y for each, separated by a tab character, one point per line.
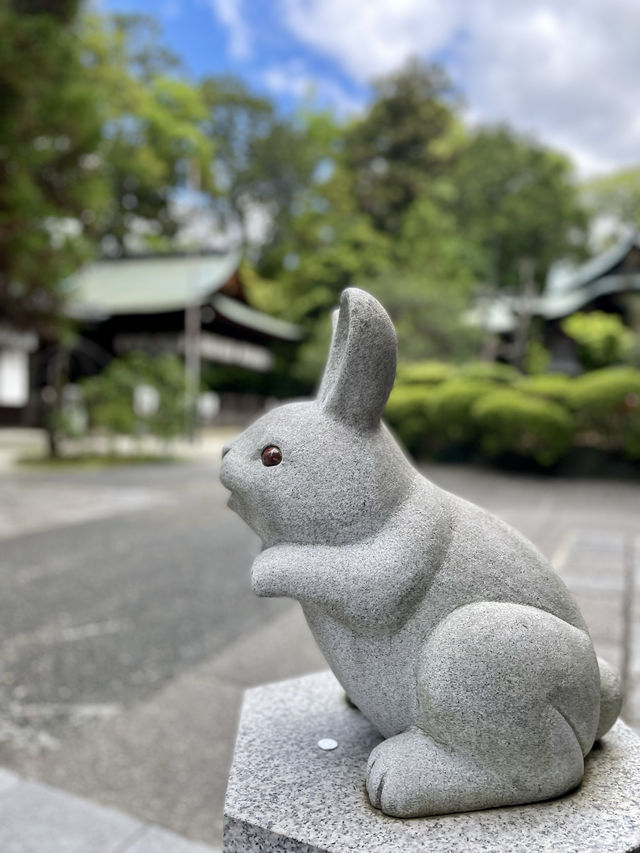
225	450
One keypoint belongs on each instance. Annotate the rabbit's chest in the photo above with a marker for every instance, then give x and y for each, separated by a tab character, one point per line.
376	671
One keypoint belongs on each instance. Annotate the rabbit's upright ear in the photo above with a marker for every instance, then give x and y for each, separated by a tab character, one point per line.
361	366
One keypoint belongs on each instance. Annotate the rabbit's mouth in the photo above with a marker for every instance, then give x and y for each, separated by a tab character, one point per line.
235	503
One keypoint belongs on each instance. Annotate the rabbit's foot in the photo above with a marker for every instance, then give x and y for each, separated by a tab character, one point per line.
400	775
411	775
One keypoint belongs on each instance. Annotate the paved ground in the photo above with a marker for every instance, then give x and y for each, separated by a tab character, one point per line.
128	630
39	819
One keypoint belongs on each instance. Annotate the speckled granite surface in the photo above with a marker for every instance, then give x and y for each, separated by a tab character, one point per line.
286	794
446	627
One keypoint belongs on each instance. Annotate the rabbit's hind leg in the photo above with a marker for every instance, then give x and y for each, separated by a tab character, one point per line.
508	698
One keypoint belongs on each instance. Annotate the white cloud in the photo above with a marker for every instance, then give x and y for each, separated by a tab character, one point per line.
295	79
567	72
230	14
370	38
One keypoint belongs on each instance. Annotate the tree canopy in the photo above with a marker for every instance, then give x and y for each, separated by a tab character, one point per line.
106	138
50	132
515	201
616	198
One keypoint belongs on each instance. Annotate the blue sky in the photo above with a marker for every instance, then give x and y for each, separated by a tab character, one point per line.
262	51
565	71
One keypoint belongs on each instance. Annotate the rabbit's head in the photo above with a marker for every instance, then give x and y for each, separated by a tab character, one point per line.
326	471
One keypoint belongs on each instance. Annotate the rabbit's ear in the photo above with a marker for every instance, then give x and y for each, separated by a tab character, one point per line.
361	366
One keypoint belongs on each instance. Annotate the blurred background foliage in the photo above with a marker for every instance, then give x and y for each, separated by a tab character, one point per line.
109	147
591	420
109	397
602	339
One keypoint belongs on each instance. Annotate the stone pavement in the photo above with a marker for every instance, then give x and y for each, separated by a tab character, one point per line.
35	818
19	442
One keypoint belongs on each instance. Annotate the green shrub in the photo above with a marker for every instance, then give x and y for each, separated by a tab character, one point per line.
538	418
606	404
602	339
453	424
425	372
409	413
109	396
536	357
511	422
550	386
493	371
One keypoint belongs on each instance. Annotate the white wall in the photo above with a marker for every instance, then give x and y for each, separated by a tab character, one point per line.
14	377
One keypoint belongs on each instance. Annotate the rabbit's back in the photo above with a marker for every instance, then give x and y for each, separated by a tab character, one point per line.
488	560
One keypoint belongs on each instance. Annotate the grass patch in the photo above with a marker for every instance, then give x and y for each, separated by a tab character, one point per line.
98	460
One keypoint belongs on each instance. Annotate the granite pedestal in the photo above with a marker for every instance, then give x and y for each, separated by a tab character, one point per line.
285	793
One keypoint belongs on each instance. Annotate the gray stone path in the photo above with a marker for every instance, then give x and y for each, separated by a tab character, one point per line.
35	818
26	506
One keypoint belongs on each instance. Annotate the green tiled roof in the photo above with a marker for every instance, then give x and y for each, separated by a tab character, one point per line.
554	305
149	285
248	317
564	277
567	290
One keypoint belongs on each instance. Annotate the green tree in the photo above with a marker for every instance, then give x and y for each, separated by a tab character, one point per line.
407	140
384	220
616	196
427	288
109	396
324	243
50	133
429	319
264	163
153	134
379	218
516	201
327	246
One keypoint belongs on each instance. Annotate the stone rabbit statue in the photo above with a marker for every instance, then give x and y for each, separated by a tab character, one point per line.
447	629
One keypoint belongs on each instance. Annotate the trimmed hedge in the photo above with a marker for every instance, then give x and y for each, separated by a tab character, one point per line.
493	371
548	386
452	419
511	422
425	372
606	404
494	410
602	338
437	372
409	413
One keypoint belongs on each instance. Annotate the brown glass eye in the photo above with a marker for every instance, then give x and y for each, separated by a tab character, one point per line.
271	455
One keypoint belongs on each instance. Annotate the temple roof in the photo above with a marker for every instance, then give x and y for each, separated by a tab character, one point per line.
149	285
564	277
245	315
165	283
568	288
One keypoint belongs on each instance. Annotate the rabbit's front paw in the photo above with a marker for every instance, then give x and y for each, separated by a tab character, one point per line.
269	572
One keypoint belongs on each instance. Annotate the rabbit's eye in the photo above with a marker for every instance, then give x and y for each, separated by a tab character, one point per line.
271	455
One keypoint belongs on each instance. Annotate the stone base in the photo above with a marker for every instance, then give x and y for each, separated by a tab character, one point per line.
287	794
